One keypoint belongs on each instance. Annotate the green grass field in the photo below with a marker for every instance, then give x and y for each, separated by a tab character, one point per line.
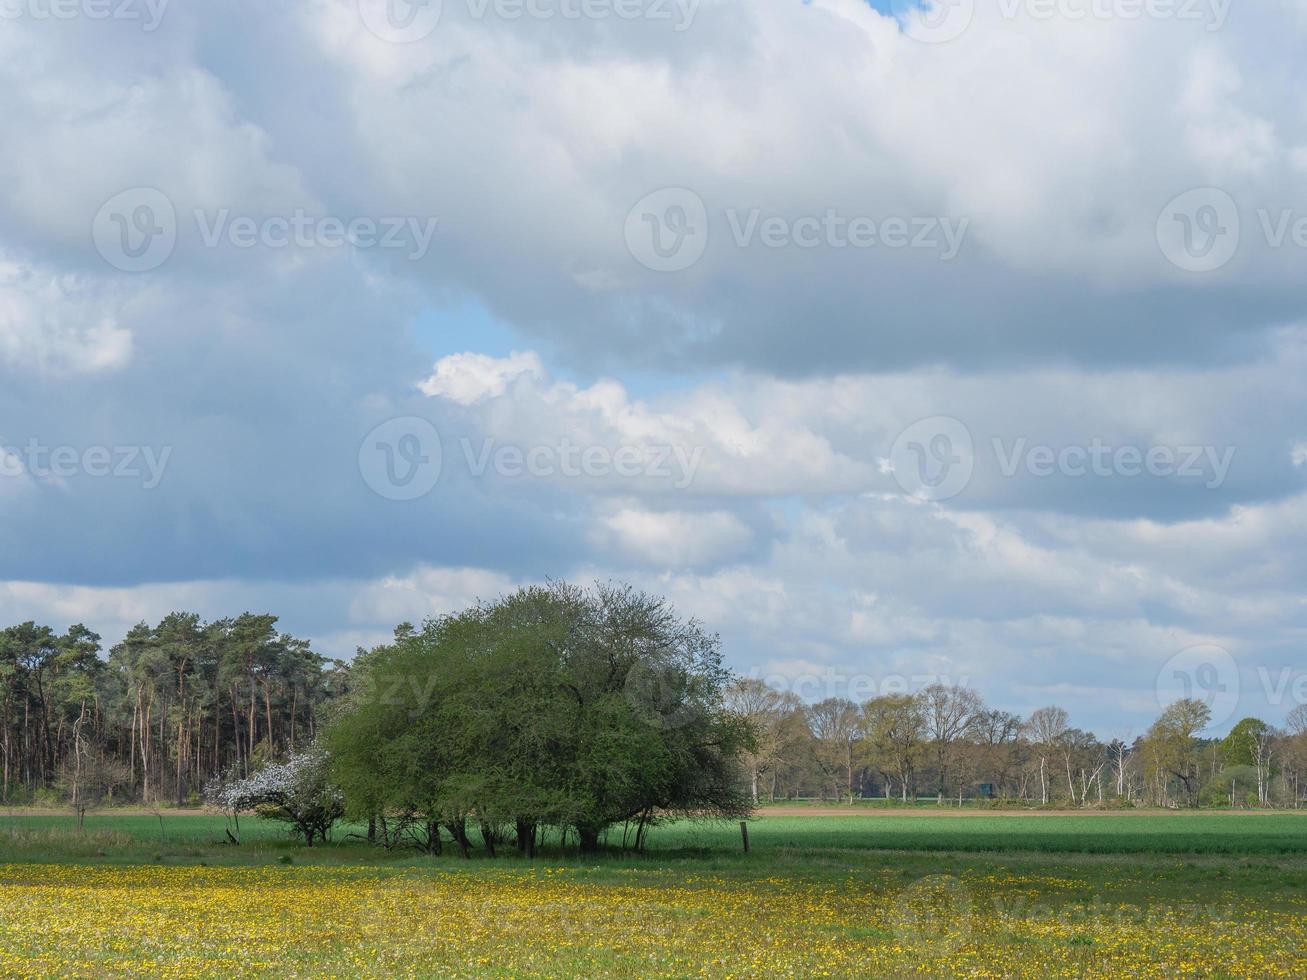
900	894
1178	833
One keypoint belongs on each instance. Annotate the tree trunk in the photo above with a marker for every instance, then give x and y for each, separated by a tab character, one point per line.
589	838
526	838
458	828
267	709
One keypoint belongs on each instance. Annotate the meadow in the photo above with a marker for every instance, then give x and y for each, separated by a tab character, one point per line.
889	894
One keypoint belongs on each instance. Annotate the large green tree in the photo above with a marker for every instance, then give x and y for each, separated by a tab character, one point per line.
1172	745
580	709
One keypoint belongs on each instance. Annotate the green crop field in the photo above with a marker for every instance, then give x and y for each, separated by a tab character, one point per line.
1189	833
902	894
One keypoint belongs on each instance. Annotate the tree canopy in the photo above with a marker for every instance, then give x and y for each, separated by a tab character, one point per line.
555	706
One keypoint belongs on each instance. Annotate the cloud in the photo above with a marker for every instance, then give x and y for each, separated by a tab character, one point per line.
55	325
885	242
672	539
1131	443
469	378
1057	168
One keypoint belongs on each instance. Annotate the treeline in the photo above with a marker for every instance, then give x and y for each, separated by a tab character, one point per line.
576	709
945	742
166	710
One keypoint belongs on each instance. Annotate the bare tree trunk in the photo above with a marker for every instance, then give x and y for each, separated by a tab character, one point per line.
267	708
177	774
145	752
131	765
294	701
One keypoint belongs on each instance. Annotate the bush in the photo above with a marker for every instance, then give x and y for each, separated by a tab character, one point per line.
1239	780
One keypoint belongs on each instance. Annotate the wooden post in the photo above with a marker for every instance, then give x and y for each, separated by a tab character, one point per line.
744	834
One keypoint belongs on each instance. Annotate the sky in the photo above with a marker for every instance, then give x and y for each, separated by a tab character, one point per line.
899	345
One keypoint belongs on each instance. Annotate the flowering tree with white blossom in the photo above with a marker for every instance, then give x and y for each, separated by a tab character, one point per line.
297	792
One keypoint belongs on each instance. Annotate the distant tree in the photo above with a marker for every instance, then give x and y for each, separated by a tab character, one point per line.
89	779
1295	753
765	709
29	654
795	754
1121	756
1083	756
997	734
1251	742
836	732
895	729
950	711
1046	728
1296	723
1172	742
